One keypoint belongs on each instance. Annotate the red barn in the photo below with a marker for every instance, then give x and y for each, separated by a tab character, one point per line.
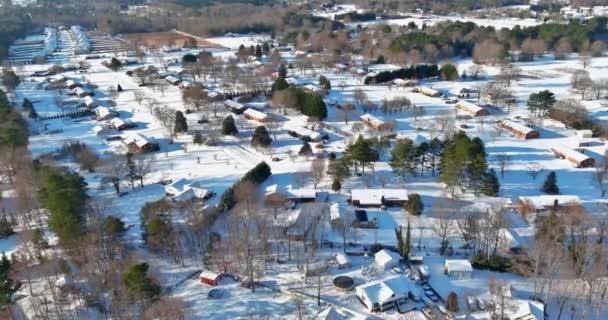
209	277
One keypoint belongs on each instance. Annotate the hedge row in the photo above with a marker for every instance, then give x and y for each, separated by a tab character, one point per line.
420	71
257	175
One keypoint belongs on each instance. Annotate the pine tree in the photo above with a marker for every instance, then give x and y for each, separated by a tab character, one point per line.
258	51
282	71
400	244
403	157
138	284
540	102
407	245
27	105
361	153
115	64
305	150
7	288
181	125
490	185
336	185
550	184
198	138
229	127
279	84
261	137
324	83
6	228
119	88
314	106
414	204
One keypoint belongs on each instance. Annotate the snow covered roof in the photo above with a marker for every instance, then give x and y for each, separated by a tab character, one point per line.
305	132
584	133
71	83
292	193
342	259
384	290
102	111
233	104
184	189
428	91
329	314
517	126
569	153
136	139
414	315
469	106
208	274
171	79
385	257
372	120
375	196
117	122
255	114
515	308
335	211
88	100
544	201
458	265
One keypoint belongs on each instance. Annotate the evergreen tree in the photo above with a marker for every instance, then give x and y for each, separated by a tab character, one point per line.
119	88
115	64
305	150
280	84
400	243
314	106
282	71
261	137
6	228
64	195
361	153
27	105
38	240
324	83
403	157
198	138
229	126
414	204
258	51
336	185
407	245
138	284
452	302
339	169
449	72
265	48
113	226
540	102
491	185
181	125
7	287
189	58
550	184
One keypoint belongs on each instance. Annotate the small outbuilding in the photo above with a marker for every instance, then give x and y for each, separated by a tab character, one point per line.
386	259
209	277
458	268
343	261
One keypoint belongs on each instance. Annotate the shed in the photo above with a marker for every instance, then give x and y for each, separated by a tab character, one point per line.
343	261
458	268
386	259
209	277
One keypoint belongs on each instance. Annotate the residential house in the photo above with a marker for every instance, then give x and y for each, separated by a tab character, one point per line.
234	106
256	115
381	295
184	189
519	130
578	159
427	91
471	108
374	122
120	125
103	114
378	197
137	144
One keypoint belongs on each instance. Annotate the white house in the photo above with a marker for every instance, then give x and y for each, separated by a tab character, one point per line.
381	295
515	308
458	268
184	189
378	197
584	134
298	195
386	259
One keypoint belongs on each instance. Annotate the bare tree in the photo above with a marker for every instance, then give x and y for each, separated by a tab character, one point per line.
166	116
139	96
475	71
113	170
317	170
581	82
534	169
142	167
346	110
443	212
503	160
